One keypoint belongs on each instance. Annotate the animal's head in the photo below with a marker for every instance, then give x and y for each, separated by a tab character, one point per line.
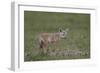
63	33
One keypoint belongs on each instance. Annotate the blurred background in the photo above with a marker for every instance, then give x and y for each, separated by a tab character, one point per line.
75	46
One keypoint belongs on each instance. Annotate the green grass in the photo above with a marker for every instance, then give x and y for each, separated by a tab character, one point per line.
78	38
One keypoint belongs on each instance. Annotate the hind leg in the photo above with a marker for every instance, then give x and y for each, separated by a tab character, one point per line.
43	48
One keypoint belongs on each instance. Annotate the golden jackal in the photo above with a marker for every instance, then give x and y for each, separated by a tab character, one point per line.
47	38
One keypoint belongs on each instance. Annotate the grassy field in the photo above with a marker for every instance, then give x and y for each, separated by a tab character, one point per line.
75	46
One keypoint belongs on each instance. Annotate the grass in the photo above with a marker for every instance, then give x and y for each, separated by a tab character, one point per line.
76	46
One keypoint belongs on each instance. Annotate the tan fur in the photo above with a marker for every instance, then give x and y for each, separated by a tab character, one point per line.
46	38
49	37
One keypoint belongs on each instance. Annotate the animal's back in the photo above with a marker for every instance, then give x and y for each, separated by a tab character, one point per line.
49	37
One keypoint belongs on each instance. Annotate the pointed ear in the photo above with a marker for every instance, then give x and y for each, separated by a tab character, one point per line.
60	30
67	29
